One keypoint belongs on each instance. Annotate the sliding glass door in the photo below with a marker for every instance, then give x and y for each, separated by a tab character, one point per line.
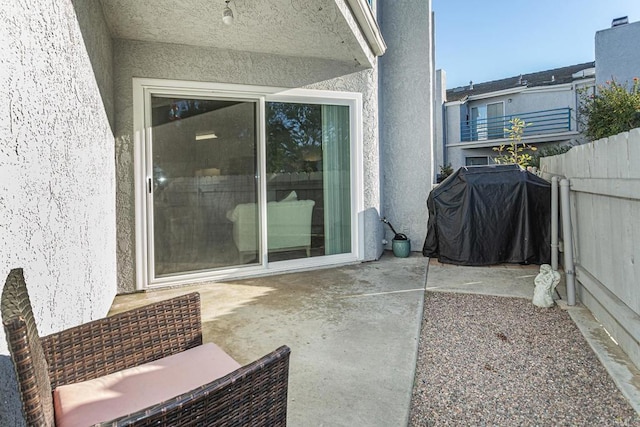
233	182
487	121
308	180
204	162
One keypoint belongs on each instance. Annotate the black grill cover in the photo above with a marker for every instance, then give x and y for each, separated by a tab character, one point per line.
485	215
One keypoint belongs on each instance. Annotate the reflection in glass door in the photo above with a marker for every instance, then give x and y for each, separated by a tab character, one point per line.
308	178
204	190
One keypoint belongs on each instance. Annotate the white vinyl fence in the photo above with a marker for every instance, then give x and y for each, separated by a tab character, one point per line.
605	210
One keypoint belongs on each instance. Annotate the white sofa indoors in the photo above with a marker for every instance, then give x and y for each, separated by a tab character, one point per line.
288	226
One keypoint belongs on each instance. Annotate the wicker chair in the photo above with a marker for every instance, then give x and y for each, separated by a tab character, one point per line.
255	394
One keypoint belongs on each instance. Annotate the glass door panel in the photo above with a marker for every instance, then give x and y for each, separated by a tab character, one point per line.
479	123
308	180
495	120
204	189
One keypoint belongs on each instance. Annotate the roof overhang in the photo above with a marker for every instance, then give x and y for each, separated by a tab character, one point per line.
335	30
369	25
520	89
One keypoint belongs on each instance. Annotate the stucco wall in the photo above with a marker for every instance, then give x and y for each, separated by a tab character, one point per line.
406	122
440	133
617	53
539	100
453	122
97	42
180	62
57	179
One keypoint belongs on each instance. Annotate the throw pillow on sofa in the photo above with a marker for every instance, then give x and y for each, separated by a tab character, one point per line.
291	197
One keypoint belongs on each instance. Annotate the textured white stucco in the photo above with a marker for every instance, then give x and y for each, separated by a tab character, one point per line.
57	180
98	43
301	28
439	134
617	55
406	122
180	62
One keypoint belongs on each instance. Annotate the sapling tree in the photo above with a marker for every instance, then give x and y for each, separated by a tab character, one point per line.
517	152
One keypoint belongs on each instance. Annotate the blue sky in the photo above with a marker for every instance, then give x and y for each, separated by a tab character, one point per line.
484	40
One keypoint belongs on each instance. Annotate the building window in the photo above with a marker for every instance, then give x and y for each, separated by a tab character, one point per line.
487	121
476	161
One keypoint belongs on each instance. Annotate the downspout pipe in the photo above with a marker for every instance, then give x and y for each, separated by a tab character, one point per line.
569	270
554	223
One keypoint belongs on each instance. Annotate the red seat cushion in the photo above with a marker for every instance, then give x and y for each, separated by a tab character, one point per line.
130	390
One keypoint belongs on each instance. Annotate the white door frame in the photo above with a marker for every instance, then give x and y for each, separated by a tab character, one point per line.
142	90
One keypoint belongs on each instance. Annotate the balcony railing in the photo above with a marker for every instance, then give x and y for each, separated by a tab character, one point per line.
540	122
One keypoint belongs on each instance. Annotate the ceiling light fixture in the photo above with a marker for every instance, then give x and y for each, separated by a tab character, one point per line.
227	14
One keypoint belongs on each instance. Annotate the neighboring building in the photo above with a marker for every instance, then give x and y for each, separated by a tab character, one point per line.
475	116
133	129
617	52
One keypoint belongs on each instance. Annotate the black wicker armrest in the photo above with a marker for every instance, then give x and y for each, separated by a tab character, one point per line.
253	395
124	340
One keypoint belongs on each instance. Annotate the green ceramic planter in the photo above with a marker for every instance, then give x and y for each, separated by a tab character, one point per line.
401	248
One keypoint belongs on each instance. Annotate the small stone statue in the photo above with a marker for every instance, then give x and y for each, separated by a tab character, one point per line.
546	282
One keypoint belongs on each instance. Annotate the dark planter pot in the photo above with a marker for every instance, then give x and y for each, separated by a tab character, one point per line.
401	248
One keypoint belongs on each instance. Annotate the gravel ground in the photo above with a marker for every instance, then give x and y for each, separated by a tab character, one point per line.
495	361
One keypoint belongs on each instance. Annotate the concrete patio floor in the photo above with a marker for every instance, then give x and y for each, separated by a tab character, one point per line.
354	330
353	333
